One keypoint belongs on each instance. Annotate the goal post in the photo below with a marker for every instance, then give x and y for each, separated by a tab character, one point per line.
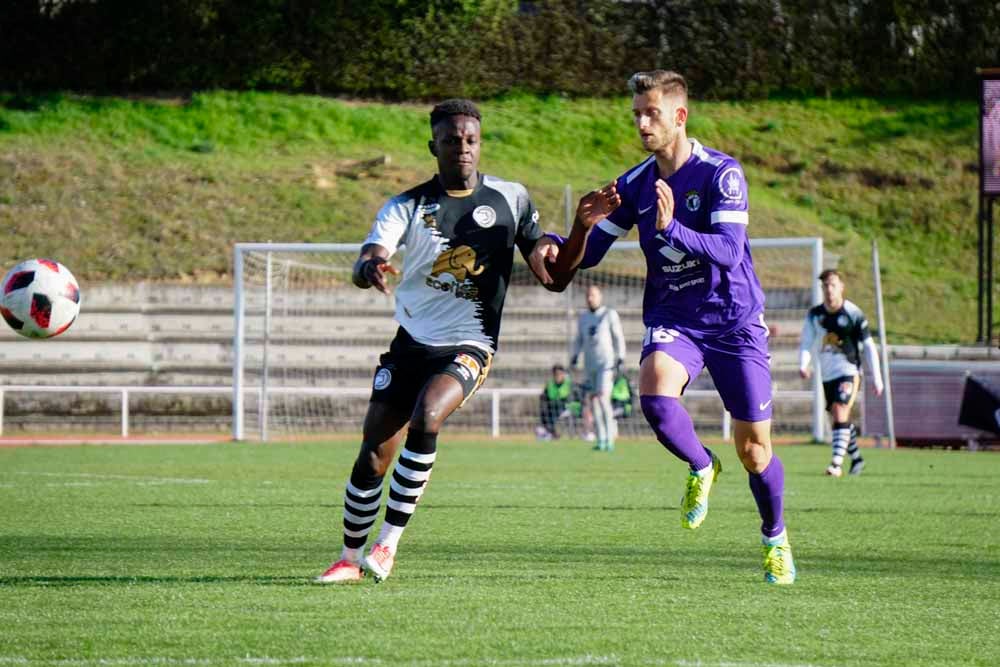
306	341
245	296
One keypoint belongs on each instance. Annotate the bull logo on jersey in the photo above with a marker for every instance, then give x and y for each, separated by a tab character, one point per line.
831	341
459	262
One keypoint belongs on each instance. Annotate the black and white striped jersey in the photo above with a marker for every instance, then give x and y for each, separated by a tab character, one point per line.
459	255
839	335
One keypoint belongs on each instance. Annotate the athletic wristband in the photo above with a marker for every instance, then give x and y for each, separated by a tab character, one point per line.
363	269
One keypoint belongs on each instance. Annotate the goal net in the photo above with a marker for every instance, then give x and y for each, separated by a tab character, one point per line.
307	342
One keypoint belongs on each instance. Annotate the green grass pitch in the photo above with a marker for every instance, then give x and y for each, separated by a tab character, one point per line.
520	554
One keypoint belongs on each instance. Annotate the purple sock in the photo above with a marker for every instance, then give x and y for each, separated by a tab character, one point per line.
768	490
674	429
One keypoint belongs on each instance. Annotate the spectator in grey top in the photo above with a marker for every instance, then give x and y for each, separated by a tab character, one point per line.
599	337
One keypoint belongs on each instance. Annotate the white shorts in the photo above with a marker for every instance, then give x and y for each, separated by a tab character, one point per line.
599	381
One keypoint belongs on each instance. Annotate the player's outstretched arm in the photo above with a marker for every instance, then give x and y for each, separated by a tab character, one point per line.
544	253
371	268
592	208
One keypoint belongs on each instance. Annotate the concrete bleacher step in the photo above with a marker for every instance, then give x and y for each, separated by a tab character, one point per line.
182	334
54	353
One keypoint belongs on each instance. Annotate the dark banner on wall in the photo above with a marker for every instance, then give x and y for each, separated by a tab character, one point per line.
990	146
980	405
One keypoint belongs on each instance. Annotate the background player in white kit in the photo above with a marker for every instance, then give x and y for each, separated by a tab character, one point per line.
839	329
599	336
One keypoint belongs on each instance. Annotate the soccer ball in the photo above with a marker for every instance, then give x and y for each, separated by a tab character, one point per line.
40	298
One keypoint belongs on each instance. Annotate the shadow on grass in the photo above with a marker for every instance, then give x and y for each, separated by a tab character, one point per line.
719	507
510	564
833	508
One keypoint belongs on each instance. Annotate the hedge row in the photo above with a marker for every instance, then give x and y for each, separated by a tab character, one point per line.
399	49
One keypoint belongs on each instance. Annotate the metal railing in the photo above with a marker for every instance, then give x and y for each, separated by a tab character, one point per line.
495	397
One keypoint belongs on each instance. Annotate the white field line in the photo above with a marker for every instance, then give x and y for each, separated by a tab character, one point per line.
139	479
361	660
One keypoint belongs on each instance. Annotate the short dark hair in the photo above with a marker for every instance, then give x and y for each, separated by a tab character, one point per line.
558	367
454	107
830	272
667	81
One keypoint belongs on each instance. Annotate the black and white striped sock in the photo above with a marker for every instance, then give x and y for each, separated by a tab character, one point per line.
409	479
361	502
852	447
841	436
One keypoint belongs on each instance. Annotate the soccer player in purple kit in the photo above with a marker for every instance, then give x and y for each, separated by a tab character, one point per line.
703	305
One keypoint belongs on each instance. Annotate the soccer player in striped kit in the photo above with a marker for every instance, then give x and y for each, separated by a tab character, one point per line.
839	329
703	305
599	337
460	229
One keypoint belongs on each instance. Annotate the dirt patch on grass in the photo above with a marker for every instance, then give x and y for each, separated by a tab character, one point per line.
830	169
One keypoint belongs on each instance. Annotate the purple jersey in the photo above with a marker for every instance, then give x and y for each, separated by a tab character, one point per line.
699	273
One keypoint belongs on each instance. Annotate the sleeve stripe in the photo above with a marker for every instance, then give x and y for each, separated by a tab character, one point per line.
739	217
613	229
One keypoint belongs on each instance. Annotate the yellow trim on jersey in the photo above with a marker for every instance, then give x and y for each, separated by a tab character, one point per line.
480	380
854	393
460	193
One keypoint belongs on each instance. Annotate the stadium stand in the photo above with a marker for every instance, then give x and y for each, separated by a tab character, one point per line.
181	335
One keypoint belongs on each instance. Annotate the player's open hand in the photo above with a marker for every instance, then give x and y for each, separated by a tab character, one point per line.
375	270
545	250
664	205
805	373
598	204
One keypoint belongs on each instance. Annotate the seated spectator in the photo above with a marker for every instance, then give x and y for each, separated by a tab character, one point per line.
557	400
622	397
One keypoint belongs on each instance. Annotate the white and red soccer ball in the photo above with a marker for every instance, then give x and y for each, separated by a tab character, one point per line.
39	298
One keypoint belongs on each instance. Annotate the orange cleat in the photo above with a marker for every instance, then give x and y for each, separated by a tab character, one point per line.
341	572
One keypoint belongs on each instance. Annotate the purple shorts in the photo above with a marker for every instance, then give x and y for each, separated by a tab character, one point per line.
738	362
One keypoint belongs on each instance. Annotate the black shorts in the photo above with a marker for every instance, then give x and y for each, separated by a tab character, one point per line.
406	368
841	390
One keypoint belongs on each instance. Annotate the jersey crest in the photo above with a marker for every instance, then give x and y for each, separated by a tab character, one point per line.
692	200
485	216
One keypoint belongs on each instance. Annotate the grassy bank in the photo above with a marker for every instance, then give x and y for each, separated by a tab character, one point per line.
160	189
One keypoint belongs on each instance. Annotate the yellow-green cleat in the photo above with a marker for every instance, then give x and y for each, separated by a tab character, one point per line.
694	504
779	567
